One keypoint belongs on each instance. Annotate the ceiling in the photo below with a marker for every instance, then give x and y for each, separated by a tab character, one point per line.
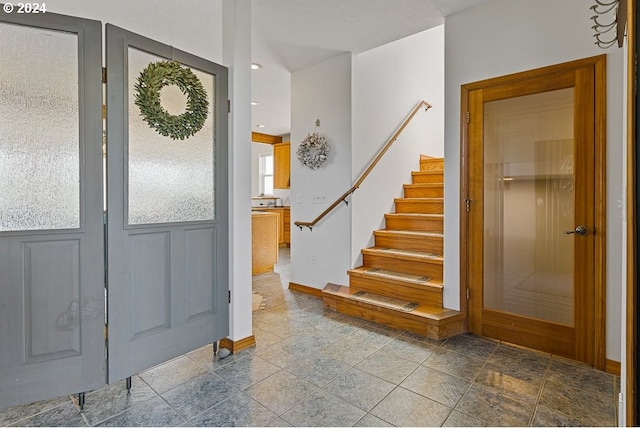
288	35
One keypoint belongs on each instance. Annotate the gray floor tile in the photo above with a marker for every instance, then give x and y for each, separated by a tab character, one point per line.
350	352
591	407
167	376
236	411
470	346
511	355
279	422
246	371
113	399
405	408
204	356
317	368
361	389
281	391
436	385
579	376
387	366
496	408
153	413
323	409
459	419
371	421
513	380
64	415
455	364
15	414
409	349
199	394
545	417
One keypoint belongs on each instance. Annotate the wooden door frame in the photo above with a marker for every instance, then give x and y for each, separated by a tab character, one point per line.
599	64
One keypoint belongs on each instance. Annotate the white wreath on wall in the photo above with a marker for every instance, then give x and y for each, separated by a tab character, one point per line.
313	150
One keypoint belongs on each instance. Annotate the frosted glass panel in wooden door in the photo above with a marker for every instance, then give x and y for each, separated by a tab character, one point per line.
528	206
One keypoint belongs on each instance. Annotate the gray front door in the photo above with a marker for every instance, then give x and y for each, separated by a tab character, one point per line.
51	223
167	213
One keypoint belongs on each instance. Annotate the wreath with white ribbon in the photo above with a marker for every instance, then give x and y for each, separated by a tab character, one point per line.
163	73
313	150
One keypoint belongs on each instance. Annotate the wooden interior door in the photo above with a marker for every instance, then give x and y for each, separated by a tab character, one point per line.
533	233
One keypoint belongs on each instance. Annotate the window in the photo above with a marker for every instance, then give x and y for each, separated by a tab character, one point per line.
266	173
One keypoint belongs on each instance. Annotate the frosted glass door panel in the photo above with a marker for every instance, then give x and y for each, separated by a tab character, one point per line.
39	129
169	180
529	203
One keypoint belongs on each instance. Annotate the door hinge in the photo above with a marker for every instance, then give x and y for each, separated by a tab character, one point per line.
104	75
229	296
467	294
468	117
228	106
467	203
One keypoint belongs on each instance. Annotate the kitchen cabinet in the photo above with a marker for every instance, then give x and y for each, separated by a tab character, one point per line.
281	165
284	223
264	241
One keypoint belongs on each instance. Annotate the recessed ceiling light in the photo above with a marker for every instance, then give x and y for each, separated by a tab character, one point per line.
255	103
261	126
256	66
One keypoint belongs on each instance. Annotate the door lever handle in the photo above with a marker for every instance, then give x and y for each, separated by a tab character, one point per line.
580	230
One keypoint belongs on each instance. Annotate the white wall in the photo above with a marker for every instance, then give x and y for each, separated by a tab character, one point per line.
389	81
237	56
172	23
507	36
321	91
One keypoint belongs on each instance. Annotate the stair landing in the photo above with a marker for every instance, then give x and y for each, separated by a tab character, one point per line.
433	322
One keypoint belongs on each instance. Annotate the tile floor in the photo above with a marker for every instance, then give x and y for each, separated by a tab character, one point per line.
313	367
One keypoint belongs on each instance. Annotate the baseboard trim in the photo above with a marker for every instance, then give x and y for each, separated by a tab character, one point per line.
305	289
612	367
238	345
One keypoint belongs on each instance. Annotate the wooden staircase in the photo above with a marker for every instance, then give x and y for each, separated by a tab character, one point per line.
400	281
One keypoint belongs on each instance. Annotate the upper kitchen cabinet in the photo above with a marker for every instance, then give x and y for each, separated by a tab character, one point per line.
282	165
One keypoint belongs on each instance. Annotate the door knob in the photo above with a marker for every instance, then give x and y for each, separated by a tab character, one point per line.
580	230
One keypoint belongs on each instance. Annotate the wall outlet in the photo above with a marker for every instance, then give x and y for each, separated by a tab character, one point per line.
299	198
314	258
319	198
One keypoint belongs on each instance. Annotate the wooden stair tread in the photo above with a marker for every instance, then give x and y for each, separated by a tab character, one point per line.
393	276
428	172
412	233
415	216
404	254
429	313
419	199
424	185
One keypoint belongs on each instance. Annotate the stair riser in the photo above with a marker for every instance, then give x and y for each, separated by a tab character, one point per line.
423	192
423	225
425	268
407	322
425	295
427	178
420	207
431	164
429	244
